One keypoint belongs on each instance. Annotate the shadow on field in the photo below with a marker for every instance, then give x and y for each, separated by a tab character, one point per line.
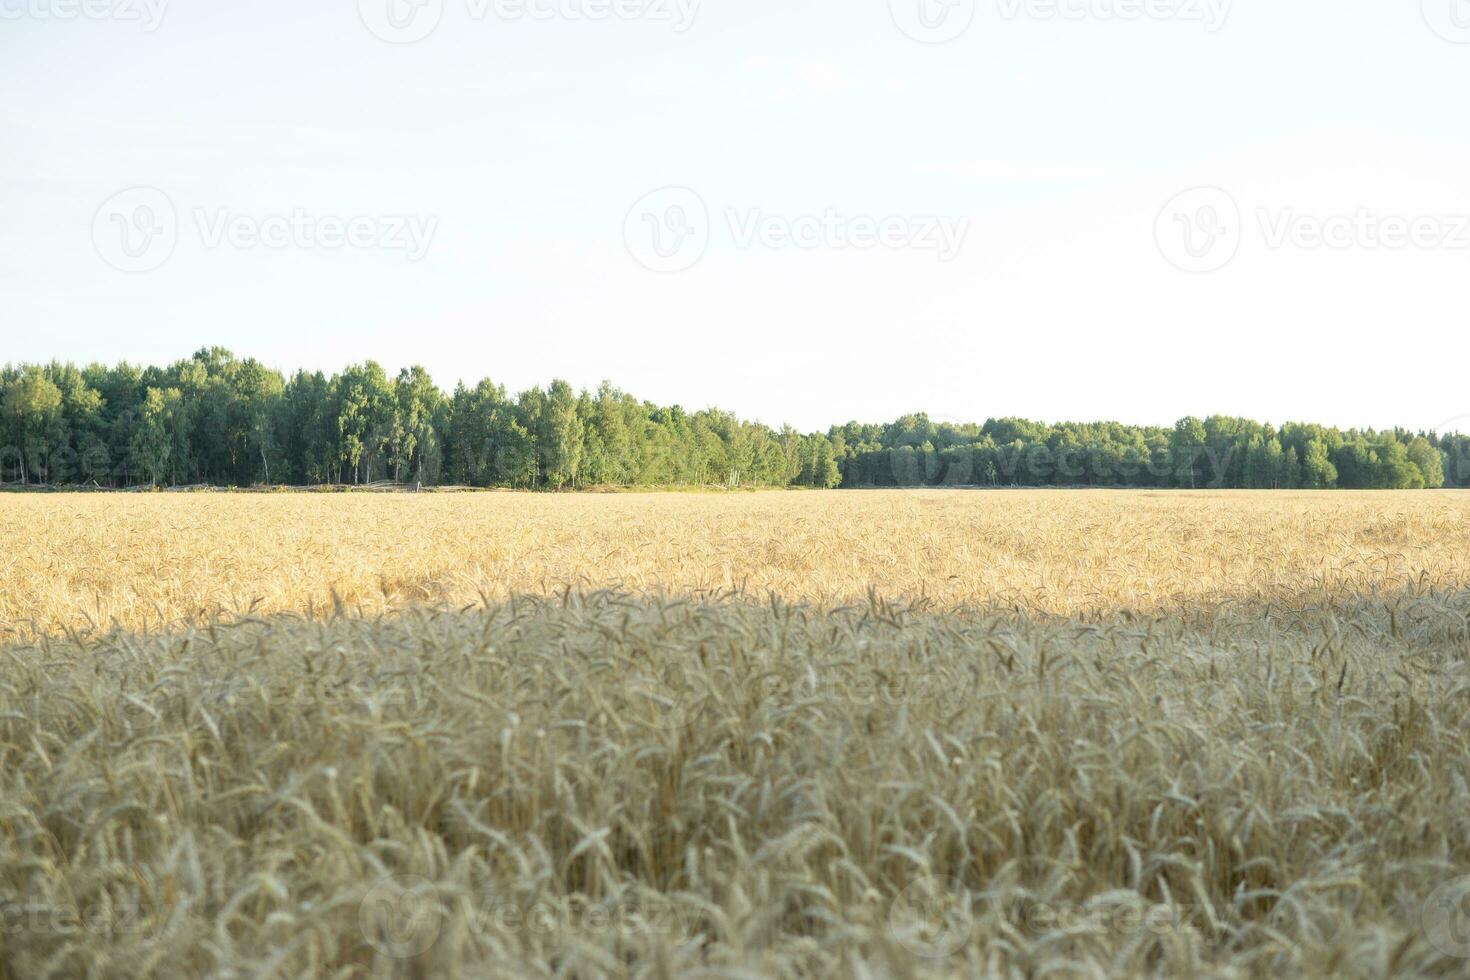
598	784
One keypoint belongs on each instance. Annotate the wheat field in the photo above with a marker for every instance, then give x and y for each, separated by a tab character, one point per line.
878	734
160	561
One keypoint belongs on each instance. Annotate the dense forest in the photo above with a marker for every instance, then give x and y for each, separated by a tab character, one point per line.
217	419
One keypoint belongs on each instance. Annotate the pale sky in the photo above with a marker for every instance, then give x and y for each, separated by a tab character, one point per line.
1004	223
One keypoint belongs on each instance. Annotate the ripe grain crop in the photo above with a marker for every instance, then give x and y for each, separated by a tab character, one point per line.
158	561
804	734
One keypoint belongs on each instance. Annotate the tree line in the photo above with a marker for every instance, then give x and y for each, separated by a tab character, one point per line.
1218	452
221	420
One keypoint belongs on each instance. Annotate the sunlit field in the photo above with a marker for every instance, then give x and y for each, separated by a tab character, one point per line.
879	734
156	561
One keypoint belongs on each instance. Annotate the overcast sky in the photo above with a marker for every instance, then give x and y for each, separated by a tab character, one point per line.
807	211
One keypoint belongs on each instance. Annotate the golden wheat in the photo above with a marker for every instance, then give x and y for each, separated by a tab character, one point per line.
803	734
156	561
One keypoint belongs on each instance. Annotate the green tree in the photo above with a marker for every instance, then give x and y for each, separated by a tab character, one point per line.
1186	450
477	422
515	454
1429	461
562	436
308	429
365	417
1292	469
1318	471
255	411
219	419
1274	460
32	409
160	443
413	444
